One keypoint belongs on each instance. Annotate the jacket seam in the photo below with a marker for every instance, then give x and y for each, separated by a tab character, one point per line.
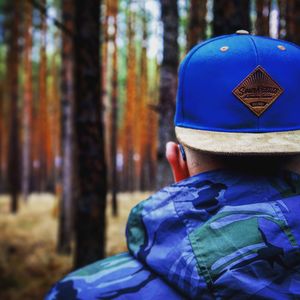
186	226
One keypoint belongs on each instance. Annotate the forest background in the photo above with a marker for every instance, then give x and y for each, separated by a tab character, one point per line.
87	98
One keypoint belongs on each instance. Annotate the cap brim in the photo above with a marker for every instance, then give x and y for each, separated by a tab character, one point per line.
284	142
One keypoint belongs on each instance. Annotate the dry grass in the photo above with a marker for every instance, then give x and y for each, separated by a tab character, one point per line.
29	264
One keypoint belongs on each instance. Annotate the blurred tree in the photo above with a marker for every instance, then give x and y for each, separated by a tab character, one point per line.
114	109
293	21
143	171
34	151
129	113
230	16
12	86
91	201
153	127
4	22
3	125
105	74
263	9
44	138
2	130
27	105
168	87
65	230
282	18
197	22
55	118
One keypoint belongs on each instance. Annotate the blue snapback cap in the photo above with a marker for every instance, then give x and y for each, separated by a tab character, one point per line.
240	93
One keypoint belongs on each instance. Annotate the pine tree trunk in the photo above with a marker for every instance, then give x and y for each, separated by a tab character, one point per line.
35	142
129	125
13	152
114	111
27	106
145	113
65	229
197	22
168	87
106	73
230	16
43	117
91	200
293	21
2	133
55	122
282	18
263	8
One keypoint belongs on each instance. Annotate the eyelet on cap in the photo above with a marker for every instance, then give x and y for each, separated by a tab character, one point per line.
224	48
242	31
280	47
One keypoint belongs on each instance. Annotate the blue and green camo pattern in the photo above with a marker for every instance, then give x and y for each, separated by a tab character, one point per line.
217	235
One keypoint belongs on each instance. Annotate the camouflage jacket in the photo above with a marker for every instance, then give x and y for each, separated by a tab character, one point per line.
217	235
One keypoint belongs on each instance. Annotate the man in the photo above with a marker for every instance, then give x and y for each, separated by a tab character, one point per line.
229	228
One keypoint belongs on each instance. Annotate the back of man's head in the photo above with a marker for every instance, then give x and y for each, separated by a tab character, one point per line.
238	104
199	161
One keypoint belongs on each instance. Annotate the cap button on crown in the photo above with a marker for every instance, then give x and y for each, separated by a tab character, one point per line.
241	31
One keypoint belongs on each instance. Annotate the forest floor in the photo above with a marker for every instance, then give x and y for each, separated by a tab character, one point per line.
29	264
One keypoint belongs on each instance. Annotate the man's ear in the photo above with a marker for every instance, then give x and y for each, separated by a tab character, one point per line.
177	163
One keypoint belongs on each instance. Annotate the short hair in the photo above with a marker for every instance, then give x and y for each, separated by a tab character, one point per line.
256	163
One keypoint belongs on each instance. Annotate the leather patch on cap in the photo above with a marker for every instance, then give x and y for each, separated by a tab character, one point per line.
258	91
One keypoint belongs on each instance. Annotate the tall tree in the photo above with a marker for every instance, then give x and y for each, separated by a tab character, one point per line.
3	136
263	8
197	22
293	21
55	117
65	230
114	109
282	18
27	105
91	201
2	126
168	86
152	128
145	114
105	77
12	69
130	106
230	16
43	104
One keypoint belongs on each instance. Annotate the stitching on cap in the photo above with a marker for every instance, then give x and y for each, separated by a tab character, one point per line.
278	40
257	63
247	130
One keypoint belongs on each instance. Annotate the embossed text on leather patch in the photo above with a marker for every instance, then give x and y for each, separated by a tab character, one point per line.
258	91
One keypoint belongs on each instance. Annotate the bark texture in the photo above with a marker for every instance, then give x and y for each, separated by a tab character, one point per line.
197	22
114	110
293	21
14	142
91	201
263	8
282	18
43	106
129	126
230	16
67	120
27	106
168	87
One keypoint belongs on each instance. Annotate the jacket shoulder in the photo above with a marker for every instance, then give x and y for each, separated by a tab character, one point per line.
116	277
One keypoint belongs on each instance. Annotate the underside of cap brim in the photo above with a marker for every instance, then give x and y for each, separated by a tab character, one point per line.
269	143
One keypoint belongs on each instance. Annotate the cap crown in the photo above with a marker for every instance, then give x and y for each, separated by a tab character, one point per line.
240	83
